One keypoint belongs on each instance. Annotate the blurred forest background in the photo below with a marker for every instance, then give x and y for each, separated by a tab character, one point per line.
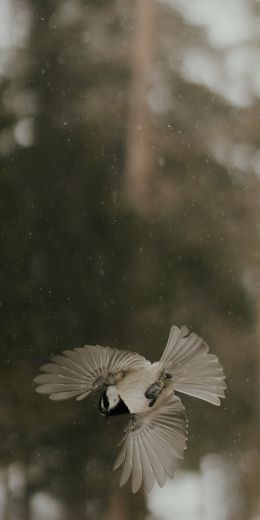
129	201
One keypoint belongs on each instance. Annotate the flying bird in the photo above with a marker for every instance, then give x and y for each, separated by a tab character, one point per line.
155	438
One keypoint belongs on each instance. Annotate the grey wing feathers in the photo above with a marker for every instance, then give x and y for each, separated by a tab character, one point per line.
152	445
81	371
193	370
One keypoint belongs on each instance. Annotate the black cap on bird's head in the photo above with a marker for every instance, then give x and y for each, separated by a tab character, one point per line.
110	402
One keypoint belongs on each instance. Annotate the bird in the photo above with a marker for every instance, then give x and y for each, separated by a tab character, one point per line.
155	438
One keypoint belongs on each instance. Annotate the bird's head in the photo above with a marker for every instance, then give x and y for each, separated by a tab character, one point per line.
109	400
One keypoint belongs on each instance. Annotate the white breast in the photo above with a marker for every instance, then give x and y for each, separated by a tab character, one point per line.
134	385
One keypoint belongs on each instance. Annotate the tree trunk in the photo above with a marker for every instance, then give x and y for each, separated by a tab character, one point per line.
75	511
5	487
139	160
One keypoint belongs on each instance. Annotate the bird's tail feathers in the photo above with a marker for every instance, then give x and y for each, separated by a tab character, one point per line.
193	371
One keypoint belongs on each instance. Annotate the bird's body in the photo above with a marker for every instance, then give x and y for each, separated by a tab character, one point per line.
133	386
129	384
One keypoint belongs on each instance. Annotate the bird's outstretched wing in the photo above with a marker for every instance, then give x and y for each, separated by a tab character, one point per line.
152	445
81	371
193	370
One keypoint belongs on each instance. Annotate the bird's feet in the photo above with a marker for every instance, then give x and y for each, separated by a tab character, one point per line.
152	393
